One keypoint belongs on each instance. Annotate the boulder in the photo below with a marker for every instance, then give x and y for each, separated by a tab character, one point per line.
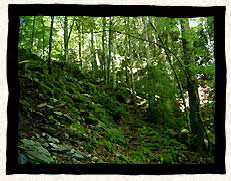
34	152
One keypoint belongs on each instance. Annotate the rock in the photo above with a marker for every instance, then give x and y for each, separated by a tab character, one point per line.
100	161
81	153
35	153
22	159
94	158
76	161
89	156
60	148
71	152
77	154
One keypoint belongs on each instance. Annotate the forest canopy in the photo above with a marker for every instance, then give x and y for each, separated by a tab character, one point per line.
137	89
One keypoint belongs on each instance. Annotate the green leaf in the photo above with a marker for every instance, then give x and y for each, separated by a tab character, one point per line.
67	116
124	158
42	105
51	107
59	113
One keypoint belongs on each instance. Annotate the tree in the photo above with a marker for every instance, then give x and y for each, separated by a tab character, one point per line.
131	66
109	49
66	38
80	30
169	58
92	50
43	38
50	45
32	35
67	35
196	125
112	56
105	61
147	43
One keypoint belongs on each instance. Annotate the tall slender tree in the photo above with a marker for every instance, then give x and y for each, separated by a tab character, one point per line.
67	35
109	49
32	35
50	45
112	54
80	29
92	50
105	61
43	38
196	125
147	42
66	38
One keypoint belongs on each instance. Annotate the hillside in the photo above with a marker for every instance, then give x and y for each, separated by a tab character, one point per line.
69	118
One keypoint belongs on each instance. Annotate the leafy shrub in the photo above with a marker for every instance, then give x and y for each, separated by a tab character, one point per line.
112	106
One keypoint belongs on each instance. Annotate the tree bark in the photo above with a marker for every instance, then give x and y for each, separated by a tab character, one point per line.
197	129
32	36
66	38
43	39
80	48
109	56
126	55
105	62
92	53
131	62
112	57
50	43
21	32
147	43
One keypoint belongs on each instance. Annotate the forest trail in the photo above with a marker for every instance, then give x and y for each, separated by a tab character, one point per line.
137	140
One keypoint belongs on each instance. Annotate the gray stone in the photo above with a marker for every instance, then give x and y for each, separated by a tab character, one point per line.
35	153
60	148
78	156
76	161
94	158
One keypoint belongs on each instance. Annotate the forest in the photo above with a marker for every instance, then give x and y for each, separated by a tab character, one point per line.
116	89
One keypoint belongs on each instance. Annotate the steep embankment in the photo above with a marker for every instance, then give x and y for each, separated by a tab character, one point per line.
68	118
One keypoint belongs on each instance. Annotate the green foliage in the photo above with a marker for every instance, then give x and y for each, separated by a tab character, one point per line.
113	107
160	90
77	108
108	145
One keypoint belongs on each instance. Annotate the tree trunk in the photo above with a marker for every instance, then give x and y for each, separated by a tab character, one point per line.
197	129
92	54
32	36
50	43
112	58
147	43
43	39
21	32
109	56
80	46
126	55
66	38
105	62
131	62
